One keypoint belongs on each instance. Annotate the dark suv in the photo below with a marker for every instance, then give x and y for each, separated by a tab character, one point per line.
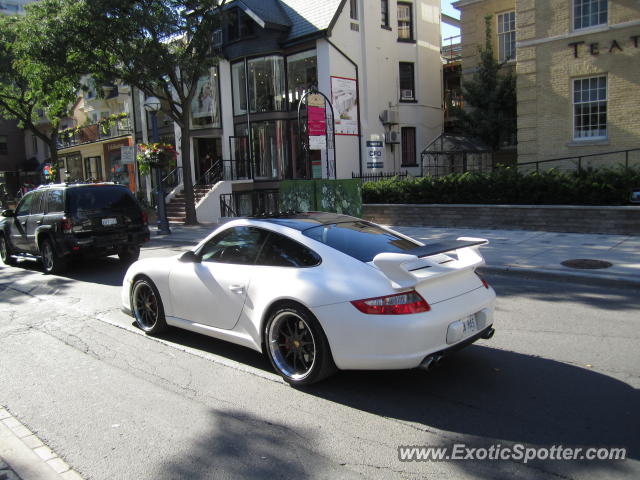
60	221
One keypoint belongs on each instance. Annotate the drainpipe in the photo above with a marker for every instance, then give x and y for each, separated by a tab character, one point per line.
358	105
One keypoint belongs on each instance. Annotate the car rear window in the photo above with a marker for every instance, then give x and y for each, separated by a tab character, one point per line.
100	198
361	240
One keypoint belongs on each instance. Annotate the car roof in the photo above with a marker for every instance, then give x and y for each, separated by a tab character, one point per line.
76	185
305	220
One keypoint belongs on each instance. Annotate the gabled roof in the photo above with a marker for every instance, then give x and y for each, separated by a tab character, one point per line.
301	17
311	16
266	13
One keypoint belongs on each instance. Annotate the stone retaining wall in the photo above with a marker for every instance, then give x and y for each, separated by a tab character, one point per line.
623	220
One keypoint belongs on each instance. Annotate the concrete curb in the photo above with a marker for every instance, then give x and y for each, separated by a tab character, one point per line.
23	456
555	275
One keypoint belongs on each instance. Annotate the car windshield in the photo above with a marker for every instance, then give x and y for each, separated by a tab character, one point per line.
361	240
108	197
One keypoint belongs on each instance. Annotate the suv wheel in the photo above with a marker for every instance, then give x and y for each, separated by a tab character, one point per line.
51	261
5	252
129	254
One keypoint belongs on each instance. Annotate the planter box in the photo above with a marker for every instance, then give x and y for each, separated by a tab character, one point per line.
623	220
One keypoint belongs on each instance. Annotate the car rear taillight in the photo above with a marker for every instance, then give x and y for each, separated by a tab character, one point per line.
67	225
484	282
399	304
145	218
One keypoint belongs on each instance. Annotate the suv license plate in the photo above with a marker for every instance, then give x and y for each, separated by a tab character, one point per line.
109	221
469	325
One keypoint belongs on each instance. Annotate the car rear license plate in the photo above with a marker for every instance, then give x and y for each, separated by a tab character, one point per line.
469	325
109	221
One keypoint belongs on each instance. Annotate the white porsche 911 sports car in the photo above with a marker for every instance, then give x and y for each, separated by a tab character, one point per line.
319	291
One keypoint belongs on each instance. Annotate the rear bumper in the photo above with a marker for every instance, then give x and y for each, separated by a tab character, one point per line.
100	244
386	342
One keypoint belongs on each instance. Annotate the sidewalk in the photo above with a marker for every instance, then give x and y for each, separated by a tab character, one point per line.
23	456
513	252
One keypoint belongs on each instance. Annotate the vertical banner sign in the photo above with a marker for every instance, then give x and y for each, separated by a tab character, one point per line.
344	98
375	160
316	122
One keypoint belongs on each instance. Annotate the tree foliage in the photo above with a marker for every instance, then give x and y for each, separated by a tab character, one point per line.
31	83
161	47
490	99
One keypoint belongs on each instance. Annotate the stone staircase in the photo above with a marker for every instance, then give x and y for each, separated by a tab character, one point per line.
176	210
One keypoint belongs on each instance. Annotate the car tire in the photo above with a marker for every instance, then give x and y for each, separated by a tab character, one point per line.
297	346
129	254
147	308
51	261
6	252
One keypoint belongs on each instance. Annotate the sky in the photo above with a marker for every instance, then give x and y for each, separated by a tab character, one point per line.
447	30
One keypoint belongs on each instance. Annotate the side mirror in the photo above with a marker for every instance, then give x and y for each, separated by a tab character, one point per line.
190	257
8	213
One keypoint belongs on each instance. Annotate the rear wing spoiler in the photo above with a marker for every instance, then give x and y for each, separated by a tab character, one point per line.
406	270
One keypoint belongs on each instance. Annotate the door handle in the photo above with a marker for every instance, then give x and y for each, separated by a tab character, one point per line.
239	289
39	222
24	224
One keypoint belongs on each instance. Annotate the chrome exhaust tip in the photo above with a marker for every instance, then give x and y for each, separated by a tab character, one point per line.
488	334
437	361
427	364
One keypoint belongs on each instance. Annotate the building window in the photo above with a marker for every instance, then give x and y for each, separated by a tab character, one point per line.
507	36
302	73
3	145
239	26
589	13
407	82
266	84
409	146
353	9
239	87
34	139
384	12
405	22
590	108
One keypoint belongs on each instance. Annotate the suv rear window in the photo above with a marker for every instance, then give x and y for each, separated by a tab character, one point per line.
361	240
105	197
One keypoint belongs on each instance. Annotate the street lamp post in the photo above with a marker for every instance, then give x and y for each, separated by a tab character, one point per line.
152	105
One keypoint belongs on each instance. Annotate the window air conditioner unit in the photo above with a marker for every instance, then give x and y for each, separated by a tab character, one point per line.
217	38
389	117
406	94
392	136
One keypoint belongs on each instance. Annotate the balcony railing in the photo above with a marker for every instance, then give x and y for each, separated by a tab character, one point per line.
94	133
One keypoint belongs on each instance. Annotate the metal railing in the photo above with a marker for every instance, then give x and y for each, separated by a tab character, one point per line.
375	177
627	158
250	204
441	164
172	180
212	175
94	133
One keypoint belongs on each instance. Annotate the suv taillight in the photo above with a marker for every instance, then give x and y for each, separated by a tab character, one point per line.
145	218
398	304
67	225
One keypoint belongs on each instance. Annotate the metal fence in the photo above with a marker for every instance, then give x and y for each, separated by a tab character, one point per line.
375	177
249	204
620	158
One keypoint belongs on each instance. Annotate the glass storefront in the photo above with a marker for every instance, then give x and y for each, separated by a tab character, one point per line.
274	145
302	73
266	84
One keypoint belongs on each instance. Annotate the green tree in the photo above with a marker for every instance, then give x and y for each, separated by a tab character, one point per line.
161	47
31	85
490	99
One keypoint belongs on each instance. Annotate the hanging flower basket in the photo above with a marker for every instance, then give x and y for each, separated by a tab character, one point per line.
155	155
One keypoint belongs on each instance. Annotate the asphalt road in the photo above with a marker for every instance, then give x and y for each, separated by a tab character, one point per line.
562	369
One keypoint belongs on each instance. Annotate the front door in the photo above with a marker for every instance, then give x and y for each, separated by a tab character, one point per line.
208	152
214	291
18	224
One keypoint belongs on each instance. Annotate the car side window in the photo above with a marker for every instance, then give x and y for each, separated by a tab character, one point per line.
237	245
37	205
24	207
55	201
280	251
